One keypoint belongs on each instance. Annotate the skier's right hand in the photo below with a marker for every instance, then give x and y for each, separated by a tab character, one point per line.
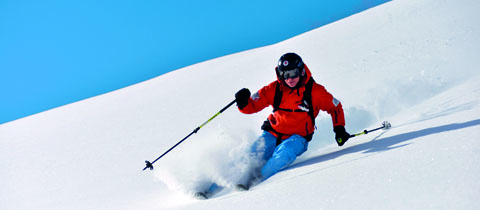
242	97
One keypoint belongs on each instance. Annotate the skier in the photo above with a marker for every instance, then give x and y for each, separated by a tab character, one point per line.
296	99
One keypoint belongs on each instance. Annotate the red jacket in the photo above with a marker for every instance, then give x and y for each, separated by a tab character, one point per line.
290	123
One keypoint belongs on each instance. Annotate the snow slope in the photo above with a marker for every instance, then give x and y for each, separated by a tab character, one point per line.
413	63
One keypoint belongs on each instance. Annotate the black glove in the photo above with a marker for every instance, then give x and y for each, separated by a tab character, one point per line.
341	136
242	97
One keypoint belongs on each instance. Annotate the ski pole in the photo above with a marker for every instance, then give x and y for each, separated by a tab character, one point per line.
385	125
150	164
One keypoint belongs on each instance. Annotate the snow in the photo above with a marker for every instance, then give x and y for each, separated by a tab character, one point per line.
413	63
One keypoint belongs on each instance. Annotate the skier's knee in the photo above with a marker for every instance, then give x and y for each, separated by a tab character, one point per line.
286	155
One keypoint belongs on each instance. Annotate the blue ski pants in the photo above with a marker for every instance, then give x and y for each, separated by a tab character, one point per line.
272	158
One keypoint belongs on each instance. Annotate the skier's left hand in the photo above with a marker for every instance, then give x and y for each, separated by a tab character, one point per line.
341	136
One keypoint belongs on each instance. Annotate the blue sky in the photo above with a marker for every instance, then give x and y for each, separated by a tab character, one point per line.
55	52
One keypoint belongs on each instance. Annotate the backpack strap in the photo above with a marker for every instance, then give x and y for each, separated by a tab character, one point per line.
277	99
307	97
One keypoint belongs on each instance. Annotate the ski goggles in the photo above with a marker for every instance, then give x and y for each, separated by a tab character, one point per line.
289	74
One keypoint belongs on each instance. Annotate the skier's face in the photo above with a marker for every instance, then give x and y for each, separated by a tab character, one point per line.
292	82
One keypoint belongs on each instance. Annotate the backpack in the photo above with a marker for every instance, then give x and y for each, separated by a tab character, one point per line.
308	107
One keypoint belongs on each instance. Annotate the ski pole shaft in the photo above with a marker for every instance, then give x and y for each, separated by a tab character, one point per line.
213	117
385	125
150	164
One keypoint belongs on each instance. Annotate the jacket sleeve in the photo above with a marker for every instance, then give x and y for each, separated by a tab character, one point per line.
260	100
331	105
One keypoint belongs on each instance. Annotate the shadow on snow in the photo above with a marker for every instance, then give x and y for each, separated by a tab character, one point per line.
385	144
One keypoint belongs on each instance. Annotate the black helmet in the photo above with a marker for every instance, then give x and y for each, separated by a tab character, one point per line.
290	65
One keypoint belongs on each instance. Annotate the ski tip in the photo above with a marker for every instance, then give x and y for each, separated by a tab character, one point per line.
200	195
241	187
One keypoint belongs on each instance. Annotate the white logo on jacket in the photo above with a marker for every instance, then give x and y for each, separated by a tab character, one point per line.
335	102
256	96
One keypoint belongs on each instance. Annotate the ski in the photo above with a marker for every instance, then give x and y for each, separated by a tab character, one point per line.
212	190
241	187
200	195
